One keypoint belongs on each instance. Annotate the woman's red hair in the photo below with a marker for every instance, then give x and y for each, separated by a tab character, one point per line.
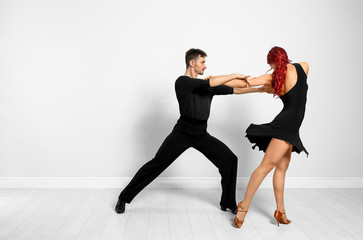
278	56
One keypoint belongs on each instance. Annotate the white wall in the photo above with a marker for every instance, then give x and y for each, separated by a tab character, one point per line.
87	87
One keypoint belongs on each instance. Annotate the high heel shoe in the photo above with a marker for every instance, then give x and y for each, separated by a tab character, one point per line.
237	222
281	218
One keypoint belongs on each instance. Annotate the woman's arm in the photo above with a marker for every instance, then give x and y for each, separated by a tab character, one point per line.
265	88
261	80
223	79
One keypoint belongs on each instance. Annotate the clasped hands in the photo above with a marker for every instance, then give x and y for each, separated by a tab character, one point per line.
249	82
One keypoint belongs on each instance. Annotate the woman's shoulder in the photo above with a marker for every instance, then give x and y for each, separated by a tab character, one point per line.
305	66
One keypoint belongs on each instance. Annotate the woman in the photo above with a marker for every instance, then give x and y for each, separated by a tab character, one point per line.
280	137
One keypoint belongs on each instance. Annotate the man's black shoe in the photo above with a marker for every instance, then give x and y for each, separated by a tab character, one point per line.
120	207
233	210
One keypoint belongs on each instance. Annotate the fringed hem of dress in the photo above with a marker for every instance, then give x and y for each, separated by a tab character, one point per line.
262	143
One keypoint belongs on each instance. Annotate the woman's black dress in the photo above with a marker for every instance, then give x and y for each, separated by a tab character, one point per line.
286	124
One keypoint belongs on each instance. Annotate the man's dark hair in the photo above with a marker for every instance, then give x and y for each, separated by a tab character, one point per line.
193	54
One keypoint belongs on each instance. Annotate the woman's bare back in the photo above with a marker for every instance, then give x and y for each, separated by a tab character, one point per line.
291	76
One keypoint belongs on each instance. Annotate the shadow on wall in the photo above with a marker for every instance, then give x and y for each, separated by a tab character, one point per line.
155	123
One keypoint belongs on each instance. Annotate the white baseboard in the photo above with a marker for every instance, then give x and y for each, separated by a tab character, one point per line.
169	183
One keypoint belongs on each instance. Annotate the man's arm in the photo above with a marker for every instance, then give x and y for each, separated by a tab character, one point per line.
236	83
223	79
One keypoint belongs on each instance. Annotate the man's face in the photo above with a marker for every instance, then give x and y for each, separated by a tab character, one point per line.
199	65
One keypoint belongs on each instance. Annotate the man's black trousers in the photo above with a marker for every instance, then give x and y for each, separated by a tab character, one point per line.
188	134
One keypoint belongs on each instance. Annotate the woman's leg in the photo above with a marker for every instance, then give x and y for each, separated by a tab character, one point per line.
279	180
276	150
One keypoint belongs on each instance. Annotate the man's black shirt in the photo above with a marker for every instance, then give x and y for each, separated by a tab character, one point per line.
195	96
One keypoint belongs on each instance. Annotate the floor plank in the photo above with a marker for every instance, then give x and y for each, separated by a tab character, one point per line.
56	221
138	220
20	216
179	224
78	218
199	221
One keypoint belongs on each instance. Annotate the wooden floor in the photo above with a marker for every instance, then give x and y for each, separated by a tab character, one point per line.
176	214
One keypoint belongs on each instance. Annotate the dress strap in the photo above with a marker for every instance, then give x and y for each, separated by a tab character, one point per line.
299	69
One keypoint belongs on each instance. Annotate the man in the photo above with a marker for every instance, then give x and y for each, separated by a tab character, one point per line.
194	98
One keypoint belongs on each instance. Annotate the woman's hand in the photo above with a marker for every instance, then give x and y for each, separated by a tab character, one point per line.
267	88
207	77
241	76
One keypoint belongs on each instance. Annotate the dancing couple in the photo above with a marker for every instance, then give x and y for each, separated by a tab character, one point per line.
277	139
